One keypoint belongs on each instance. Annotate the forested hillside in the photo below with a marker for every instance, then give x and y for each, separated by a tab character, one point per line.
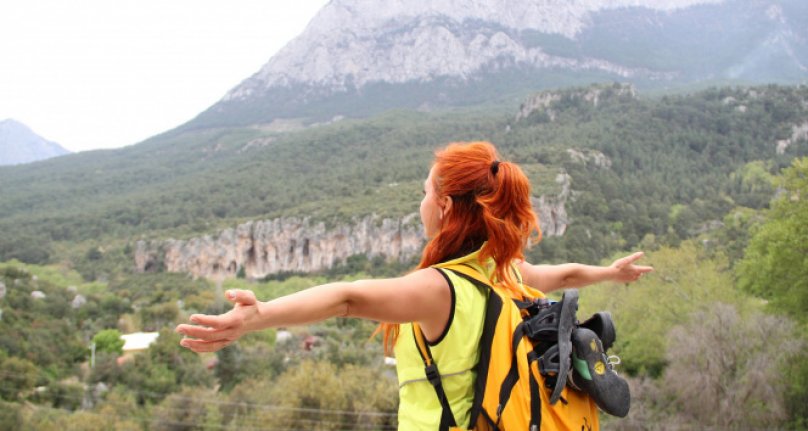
711	185
673	164
700	349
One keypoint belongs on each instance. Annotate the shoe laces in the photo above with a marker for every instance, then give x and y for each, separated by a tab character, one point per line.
613	361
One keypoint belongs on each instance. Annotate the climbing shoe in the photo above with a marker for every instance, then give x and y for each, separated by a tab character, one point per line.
593	374
602	325
551	330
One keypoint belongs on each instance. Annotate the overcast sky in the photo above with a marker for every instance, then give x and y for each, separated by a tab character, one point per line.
93	74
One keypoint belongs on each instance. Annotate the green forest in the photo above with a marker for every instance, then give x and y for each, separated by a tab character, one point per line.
711	185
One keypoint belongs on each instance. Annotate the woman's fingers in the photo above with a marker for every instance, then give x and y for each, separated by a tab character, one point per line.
626	264
243	297
638	271
201	346
643	269
628	260
220	321
204	333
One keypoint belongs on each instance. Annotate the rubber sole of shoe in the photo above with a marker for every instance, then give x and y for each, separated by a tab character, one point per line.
593	375
569	307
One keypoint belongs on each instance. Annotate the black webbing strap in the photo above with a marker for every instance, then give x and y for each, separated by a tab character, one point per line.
535	403
493	308
447	419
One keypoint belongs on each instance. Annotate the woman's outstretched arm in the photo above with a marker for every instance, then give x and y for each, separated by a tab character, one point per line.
548	278
422	296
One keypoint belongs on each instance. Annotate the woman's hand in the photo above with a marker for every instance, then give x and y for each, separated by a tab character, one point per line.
212	333
549	278
626	271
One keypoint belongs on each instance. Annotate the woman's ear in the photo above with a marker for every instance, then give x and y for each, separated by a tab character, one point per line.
446	206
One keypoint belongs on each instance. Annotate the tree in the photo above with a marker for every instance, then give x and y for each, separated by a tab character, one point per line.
158	315
725	369
108	340
19	376
10	417
775	264
228	367
775	267
188	409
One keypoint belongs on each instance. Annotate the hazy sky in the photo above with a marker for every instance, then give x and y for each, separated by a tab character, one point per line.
93	74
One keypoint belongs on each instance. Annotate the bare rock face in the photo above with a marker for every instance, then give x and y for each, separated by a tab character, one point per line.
356	42
78	301
595	94
590	157
798	132
282	245
551	209
261	248
539	102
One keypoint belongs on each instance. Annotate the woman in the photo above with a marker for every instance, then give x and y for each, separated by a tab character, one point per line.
476	211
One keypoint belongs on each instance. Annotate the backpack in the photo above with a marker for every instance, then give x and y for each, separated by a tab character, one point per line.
514	370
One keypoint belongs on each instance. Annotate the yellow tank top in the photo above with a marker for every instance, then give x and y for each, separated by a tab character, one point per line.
456	352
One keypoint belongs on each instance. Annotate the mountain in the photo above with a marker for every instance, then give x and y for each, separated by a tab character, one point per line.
19	144
359	57
616	164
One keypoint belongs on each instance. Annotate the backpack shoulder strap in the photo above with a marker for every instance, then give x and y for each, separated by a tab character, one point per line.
469	272
447	420
472	274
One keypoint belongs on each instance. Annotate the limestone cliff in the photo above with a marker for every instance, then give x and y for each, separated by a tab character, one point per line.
551	209
281	245
546	101
294	244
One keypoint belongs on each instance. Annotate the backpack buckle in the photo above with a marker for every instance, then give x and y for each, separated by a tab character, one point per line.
432	374
546	367
537	305
542	369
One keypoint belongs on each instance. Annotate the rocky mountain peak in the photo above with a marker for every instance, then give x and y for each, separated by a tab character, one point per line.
548	16
355	42
358	57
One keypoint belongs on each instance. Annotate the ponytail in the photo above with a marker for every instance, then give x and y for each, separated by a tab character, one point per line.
509	220
490	205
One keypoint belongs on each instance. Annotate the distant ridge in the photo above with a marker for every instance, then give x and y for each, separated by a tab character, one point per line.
360	57
19	144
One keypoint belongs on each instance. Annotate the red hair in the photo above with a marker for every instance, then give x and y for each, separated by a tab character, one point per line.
490	203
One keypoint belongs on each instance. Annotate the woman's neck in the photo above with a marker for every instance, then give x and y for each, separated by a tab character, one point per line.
470	245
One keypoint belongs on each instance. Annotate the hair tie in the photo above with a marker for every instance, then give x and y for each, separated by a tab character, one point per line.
494	167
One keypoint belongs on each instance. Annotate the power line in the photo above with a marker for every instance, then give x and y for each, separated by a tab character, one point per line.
258	406
157	421
252	424
245	422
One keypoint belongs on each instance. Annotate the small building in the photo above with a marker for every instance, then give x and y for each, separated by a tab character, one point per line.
134	343
138	341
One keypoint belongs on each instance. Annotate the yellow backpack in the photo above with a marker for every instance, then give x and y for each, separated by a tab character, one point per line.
516	379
